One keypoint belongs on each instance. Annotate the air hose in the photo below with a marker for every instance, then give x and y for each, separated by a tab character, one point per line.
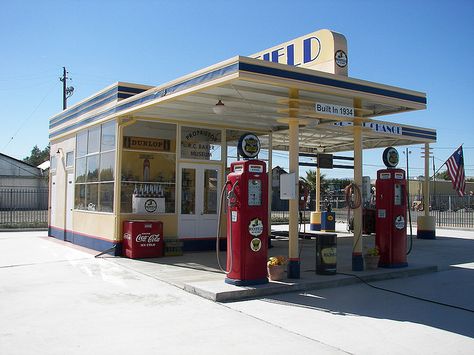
353	200
230	195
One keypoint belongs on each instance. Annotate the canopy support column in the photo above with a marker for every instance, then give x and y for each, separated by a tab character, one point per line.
293	255
426	225
357	260
315	221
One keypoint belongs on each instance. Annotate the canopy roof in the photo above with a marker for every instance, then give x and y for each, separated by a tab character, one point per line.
256	98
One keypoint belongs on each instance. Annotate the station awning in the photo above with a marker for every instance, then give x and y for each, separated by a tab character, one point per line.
256	97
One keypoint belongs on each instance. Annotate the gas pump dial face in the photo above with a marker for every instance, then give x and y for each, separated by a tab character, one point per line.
255	192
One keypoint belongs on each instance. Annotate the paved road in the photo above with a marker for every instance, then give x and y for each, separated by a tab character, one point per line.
59	299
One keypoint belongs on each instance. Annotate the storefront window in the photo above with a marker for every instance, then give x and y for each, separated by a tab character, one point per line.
107	141
92	197
107	166
93	143
80	197
188	191
92	168
106	197
81	144
54	162
95	168
69	159
149	165
81	170
200	143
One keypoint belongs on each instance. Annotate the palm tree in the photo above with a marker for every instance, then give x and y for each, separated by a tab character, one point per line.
311	181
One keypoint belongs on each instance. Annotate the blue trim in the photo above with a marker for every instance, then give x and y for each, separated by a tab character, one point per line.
425	234
121	92
315	226
69	236
86	104
86	241
253	68
420	133
203	244
393	266
105	101
96	244
130	89
56	233
293	269
357	262
163	92
423	131
245	282
123	95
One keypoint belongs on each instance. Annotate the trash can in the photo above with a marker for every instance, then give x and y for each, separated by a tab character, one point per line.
328	221
326	254
142	239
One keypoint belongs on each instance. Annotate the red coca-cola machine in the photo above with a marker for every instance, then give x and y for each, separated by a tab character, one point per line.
247	223
391	212
142	239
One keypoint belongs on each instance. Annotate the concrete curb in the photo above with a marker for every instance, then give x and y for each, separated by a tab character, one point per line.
218	291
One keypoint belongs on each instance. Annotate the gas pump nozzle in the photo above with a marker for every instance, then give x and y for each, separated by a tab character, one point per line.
231	196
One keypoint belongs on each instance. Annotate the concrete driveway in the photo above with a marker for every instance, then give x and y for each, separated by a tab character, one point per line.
56	298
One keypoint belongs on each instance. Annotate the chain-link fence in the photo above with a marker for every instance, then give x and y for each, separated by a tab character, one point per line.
449	211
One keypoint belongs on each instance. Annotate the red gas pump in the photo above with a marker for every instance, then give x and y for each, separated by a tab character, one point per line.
391	207
247	223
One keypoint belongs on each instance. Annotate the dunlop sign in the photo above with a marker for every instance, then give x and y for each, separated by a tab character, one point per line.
150	144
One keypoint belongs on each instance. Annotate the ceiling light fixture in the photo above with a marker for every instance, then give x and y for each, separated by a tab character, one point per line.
219	108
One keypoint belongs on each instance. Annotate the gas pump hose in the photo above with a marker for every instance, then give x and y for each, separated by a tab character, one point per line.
353	200
219	214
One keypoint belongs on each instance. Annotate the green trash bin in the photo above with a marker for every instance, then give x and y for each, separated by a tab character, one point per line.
326	254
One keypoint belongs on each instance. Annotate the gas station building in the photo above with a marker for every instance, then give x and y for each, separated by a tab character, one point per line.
173	143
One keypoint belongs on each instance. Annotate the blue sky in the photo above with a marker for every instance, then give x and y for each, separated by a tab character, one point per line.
426	46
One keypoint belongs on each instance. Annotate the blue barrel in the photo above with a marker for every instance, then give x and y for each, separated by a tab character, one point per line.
328	221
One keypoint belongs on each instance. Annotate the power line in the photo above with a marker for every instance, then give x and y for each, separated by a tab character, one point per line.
28	117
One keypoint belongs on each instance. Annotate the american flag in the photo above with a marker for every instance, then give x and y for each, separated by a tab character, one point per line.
455	165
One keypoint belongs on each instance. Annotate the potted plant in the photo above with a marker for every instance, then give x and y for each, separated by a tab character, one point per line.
371	258
276	267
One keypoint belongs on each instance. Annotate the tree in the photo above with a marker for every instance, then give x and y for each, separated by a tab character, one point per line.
311	180
327	185
443	175
37	156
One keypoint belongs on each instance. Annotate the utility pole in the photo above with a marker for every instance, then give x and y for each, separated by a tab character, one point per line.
67	90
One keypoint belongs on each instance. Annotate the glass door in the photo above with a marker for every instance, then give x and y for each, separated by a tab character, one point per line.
199	200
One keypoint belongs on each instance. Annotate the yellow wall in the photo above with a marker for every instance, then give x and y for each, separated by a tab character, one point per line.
95	224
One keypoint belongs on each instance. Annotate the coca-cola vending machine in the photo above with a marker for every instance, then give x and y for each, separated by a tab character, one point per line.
142	239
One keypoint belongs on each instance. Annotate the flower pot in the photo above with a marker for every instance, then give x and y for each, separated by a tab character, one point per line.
276	272
371	262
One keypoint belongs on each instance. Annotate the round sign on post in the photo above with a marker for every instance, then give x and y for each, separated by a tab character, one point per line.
249	146
390	157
